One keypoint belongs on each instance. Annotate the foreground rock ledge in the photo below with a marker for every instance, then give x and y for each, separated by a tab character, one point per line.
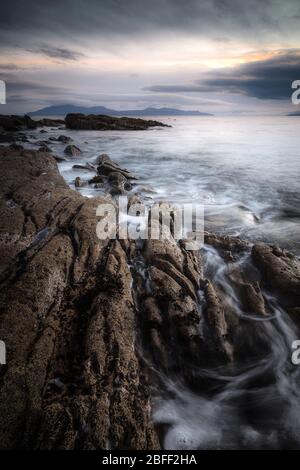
77	314
73	378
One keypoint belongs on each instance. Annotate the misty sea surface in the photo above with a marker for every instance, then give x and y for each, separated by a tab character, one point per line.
245	171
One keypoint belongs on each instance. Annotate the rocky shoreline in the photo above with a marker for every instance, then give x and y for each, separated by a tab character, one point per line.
93	122
92	325
21	123
78	121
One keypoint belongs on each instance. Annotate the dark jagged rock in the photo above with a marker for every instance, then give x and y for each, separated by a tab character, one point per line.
110	175
93	122
87	166
98	179
17	123
117	182
72	151
44	148
46	122
7	138
16	146
41	143
106	166
280	270
79	182
64	139
228	247
59	158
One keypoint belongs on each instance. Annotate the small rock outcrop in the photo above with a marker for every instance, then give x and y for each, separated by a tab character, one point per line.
44	148
16	146
47	122
79	182
110	176
18	123
72	151
64	139
102	123
106	166
280	270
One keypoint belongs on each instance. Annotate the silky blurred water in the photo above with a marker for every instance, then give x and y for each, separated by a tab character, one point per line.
245	170
253	404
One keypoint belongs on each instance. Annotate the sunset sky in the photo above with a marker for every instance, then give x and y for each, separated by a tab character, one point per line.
223	57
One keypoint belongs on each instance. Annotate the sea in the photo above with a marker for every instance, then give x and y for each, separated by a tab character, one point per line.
244	170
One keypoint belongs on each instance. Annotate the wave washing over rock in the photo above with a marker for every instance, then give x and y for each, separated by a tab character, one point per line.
131	344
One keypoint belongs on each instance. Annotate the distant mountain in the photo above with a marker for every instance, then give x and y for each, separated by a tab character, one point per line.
62	110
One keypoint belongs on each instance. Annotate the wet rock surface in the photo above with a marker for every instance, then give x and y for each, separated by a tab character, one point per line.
94	122
64	139
72	151
47	122
110	176
73	377
92	325
19	123
280	270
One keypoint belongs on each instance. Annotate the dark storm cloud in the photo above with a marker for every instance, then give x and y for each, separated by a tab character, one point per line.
72	19
28	94
60	53
176	88
267	79
18	88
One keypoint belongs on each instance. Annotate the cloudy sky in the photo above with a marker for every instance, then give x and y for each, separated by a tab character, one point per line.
218	56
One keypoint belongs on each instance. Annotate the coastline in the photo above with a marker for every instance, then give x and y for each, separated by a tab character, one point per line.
73	307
